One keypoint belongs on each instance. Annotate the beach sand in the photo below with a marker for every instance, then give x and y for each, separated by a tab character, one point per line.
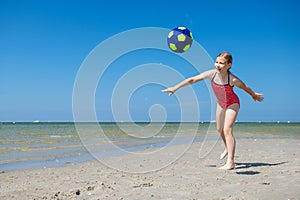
266	168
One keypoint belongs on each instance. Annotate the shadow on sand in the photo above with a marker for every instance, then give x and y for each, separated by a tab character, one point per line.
251	165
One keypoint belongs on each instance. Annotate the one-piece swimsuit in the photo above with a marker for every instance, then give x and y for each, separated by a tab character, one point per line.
224	93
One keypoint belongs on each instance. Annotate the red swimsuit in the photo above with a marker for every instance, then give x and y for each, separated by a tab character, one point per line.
224	93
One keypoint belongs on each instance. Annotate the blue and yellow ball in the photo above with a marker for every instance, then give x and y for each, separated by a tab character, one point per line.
180	39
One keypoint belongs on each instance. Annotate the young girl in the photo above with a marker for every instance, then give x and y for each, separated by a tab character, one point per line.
222	81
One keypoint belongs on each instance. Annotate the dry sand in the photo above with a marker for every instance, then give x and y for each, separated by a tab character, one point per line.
266	168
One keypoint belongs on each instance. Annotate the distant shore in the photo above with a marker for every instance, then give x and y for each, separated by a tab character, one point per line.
266	168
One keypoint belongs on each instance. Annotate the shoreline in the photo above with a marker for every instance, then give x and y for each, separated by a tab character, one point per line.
53	162
266	168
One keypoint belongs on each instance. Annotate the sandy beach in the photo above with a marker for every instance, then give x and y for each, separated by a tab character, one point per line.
266	168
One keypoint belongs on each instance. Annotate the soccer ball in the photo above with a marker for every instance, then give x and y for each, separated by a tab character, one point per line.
180	39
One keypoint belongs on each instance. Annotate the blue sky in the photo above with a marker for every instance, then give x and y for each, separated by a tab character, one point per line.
44	43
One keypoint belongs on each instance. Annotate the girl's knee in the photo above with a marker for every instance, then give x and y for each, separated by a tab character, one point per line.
220	130
227	131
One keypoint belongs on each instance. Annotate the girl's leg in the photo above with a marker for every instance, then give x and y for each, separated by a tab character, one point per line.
220	116
230	117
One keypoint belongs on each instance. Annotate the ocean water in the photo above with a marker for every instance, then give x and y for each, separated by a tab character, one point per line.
42	145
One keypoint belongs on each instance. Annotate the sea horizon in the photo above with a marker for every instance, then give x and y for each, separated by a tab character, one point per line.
213	121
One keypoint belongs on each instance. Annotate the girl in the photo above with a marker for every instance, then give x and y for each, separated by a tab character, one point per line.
222	81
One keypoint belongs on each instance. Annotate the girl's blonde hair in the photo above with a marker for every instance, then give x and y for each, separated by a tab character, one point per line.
227	56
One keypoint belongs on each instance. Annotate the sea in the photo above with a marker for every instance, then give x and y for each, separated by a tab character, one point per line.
44	145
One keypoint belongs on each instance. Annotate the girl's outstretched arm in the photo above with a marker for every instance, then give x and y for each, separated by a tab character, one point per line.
256	96
188	81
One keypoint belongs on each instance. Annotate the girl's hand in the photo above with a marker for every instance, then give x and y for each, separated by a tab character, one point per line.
170	90
258	97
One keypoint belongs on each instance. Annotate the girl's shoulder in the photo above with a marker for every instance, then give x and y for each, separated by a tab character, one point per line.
211	73
207	74
233	79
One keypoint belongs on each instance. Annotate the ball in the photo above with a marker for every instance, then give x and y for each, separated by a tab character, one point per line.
180	39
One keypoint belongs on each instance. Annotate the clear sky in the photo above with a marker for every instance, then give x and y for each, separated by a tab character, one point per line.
43	44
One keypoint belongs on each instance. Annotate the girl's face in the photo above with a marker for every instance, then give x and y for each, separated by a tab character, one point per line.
221	65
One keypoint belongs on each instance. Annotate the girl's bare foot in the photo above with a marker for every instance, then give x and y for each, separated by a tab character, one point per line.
223	155
228	166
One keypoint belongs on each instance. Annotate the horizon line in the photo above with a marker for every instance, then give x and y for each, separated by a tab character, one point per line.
213	121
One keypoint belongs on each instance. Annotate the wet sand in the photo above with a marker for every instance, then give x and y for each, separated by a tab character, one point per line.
266	168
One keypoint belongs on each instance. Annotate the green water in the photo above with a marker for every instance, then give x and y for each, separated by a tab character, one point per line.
36	145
